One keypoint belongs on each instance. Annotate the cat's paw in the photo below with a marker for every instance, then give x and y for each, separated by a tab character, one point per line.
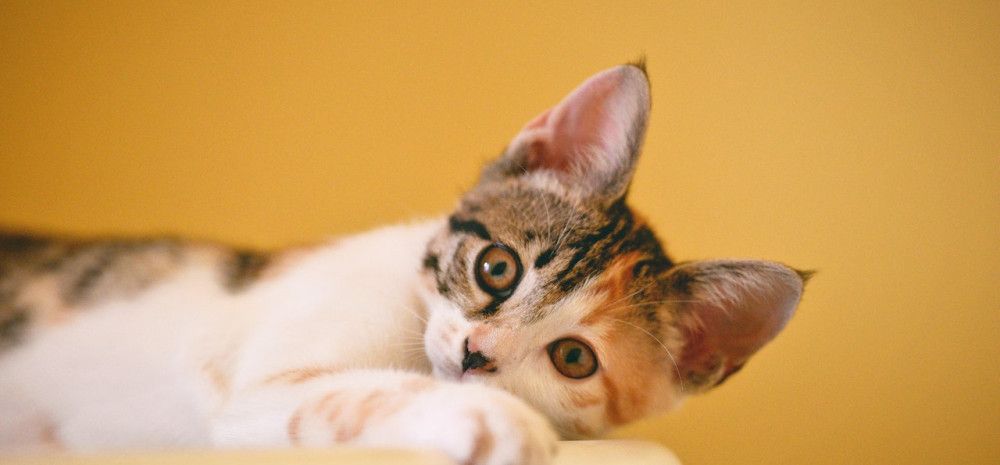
473	425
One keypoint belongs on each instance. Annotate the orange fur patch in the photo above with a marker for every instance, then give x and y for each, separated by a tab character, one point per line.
612	409
482	444
300	375
213	371
614	284
622	378
49	437
583	399
582	429
366	409
321	404
627	395
417	384
294	423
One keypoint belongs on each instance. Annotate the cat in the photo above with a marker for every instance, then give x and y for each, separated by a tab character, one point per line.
542	307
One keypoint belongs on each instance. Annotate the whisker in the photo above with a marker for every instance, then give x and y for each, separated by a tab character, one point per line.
653	302
664	346
630	295
562	234
413	349
413	312
548	213
411	331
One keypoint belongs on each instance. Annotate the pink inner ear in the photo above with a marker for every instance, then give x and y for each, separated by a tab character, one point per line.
597	115
729	336
737	307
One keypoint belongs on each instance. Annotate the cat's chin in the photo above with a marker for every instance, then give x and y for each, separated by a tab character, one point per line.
471	377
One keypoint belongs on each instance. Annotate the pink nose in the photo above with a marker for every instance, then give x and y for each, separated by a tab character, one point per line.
475	360
474	343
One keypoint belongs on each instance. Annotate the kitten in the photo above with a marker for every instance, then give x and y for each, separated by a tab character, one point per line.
543	306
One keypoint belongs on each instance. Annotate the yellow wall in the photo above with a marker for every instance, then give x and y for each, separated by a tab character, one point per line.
860	140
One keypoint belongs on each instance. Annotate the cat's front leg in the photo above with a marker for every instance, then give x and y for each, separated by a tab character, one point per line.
318	407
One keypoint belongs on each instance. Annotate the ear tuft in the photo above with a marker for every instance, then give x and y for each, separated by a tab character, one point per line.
805	275
641	64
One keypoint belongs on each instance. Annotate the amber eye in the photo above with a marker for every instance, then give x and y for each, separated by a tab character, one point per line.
573	358
498	270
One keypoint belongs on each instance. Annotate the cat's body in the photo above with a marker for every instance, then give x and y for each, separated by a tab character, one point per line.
114	365
543	283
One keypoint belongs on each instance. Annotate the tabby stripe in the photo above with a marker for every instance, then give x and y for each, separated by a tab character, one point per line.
468	226
91	275
585	246
617	228
544	258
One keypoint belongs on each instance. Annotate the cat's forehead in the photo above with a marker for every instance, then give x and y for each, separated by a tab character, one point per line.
519	213
565	244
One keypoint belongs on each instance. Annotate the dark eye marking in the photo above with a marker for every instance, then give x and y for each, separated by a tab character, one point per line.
545	257
492	307
473	227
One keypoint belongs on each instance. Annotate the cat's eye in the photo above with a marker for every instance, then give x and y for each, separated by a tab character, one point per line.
498	269
573	358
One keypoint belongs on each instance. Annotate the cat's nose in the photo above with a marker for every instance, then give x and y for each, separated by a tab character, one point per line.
476	360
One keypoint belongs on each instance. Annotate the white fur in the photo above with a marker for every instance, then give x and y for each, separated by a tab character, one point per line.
131	374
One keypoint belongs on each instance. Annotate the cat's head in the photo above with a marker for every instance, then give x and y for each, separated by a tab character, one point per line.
545	282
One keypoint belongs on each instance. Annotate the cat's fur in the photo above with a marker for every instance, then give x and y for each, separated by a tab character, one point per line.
370	339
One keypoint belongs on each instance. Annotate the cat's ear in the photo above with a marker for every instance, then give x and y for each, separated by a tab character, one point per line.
725	311
590	140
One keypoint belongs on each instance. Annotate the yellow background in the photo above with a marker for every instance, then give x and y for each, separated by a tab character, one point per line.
858	139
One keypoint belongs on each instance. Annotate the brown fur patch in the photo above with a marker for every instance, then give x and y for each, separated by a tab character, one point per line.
244	267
